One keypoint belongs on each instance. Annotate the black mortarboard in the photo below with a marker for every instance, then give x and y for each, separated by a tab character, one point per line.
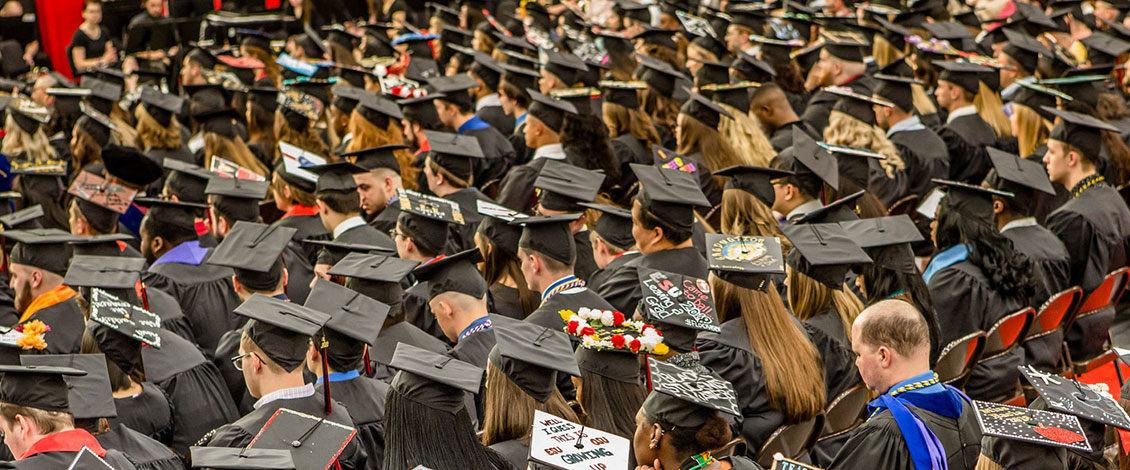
425	219
44	248
886	240
856	105
969	200
28	114
487	69
617	228
845	45
453	34
109	272
378	110
373	158
187	181
1025	49
90	396
419	110
754	180
953	32
497	229
746	261
549	235
254	38
897	90
254	251
1076	398
440	10
103	90
550	111
823	252
314	441
532	356
177	213
27	215
317	88
586	100
454	273
522	78
235	198
731	94
966	75
625	94
809	159
1016	171
839	210
854	164
433	380
687	399
280	328
1083	88
454	152
346	97
218	121
203	56
1080	131
162	106
613	364
894	33
660	76
453	89
353	315
354	76
704	110
681	304
632	9
109	244
657	37
67	99
563	186
233	458
1103	48
373	267
1036	96
40	387
130	165
299	108
517	44
669	195
336	176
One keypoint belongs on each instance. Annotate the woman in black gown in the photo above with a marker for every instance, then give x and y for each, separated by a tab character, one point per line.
509	293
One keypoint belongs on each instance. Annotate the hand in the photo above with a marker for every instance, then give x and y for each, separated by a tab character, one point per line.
654	466
320	270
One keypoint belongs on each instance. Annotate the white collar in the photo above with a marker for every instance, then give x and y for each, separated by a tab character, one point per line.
355	221
286	394
488	100
804	208
962	111
551	151
912	123
1021	222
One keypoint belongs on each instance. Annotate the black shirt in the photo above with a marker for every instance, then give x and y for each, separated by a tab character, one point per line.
93	47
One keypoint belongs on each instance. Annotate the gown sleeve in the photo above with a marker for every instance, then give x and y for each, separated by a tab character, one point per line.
1077	235
743	370
622	289
874	445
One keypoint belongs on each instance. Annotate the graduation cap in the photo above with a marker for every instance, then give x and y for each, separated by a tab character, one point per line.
966	75
660	76
377	277
854	164
682	305
897	90
614	225
420	109
130	165
1025	49
313	441
632	9
754	180
956	33
444	12
67	99
657	37
281	329
454	152
586	100
40	387
433	380
454	273
565	66
453	89
563	186
1076	399
839	210
316	87
232	458
856	105
736	95
1019	426
487	69
1080	131
1083	88
746	261
515	44
893	32
162	106
351	75
1036	97
669	195
103	90
100	201
108	272
352	314
219	121
374	158
124	317
90	396
336	176
845	45
550	111
600	449
550	235
810	163
187	181
378	110
17	219
823	251
43	248
687	399
625	94
254	251
1018	175
1103	48
235	198
521	77
346	98
109	244
28	114
254	38
886	240
496	226
704	110
311	43
969	200
299	108
531	356
203	56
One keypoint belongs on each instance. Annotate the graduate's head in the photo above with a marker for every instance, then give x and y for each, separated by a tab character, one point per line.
891	342
153	7
256	366
37	264
457	293
163	228
33	405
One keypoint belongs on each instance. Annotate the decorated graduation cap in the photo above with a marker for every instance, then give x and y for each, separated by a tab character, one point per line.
746	261
897	90
233	458
1036	97
374	275
454	152
299	109
90	396
1080	131
550	235
27	114
550	111
99	201
1084	88
25	218
532	356
42	248
616	229
425	219
968	199
845	45
823	252
281	329
660	76
586	447
434	380
1018	437
669	195
704	110
563	186
39	387
565	66
754	180
680	305
130	165
886	240
336	177
687	399
120	328
454	273
254	252
610	342
235	198
966	75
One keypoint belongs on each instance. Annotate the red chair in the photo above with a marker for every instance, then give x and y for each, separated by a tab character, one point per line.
1003	338
1099	305
956	360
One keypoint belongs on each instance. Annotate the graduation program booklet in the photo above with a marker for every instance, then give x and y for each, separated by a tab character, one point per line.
313	442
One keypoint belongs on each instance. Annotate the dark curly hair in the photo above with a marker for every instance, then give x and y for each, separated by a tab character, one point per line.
1009	271
585	139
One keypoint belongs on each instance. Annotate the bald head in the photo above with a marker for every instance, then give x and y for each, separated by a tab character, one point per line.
771	106
895	324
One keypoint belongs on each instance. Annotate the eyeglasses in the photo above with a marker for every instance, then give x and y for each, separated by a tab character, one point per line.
237	361
393	233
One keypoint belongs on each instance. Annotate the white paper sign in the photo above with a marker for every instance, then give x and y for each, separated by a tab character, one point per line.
566	445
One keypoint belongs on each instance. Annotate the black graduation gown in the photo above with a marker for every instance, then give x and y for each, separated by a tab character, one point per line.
622	289
728	354
241	432
497	118
67	326
59	460
829	322
192	383
1050	262
601	275
363	234
925	156
206	296
1095	228
475	348
143	451
149	413
878	443
965	165
300	257
628	149
8	314
821	103
497	152
417	312
393	335
366	398
517	189
513	451
462	237
1043	204
547	315
782	137
584	265
385	220
505	301
517	140
965	303
172	316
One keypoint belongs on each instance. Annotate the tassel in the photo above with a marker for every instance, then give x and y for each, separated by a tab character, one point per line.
368	368
326	375
144	294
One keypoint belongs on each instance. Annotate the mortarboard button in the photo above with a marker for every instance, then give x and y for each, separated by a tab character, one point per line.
746	261
352	314
130	166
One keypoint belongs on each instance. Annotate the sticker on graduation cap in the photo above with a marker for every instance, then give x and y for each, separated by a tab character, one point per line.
743	253
430	206
296	160
313	441
929	206
672	161
95	189
125	318
88	460
1030	425
229	169
1077	399
565	445
781	463
695	25
499	212
679	300
707	391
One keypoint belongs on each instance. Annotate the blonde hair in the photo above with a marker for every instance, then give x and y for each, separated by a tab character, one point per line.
990	107
1031	128
151	134
922	101
123	129
508	411
809	297
745	214
234	150
790	364
305	139
884	52
33	147
843	129
696	137
744	134
368	135
621	120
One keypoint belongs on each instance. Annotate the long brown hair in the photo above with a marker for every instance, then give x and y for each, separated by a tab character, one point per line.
989	106
809	297
621	120
744	214
499	266
509	411
271	68
695	137
123	128
152	135
1031	128
660	107
261	129
368	135
231	149
85	151
305	139
790	364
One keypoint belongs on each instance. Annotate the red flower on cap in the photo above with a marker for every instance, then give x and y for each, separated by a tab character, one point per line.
635	345
573	327
618	341
617	318
586	331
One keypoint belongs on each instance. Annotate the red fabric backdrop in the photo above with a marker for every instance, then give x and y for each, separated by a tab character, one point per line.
58	21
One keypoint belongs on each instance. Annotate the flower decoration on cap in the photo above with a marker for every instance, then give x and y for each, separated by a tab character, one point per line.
33	332
605	330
